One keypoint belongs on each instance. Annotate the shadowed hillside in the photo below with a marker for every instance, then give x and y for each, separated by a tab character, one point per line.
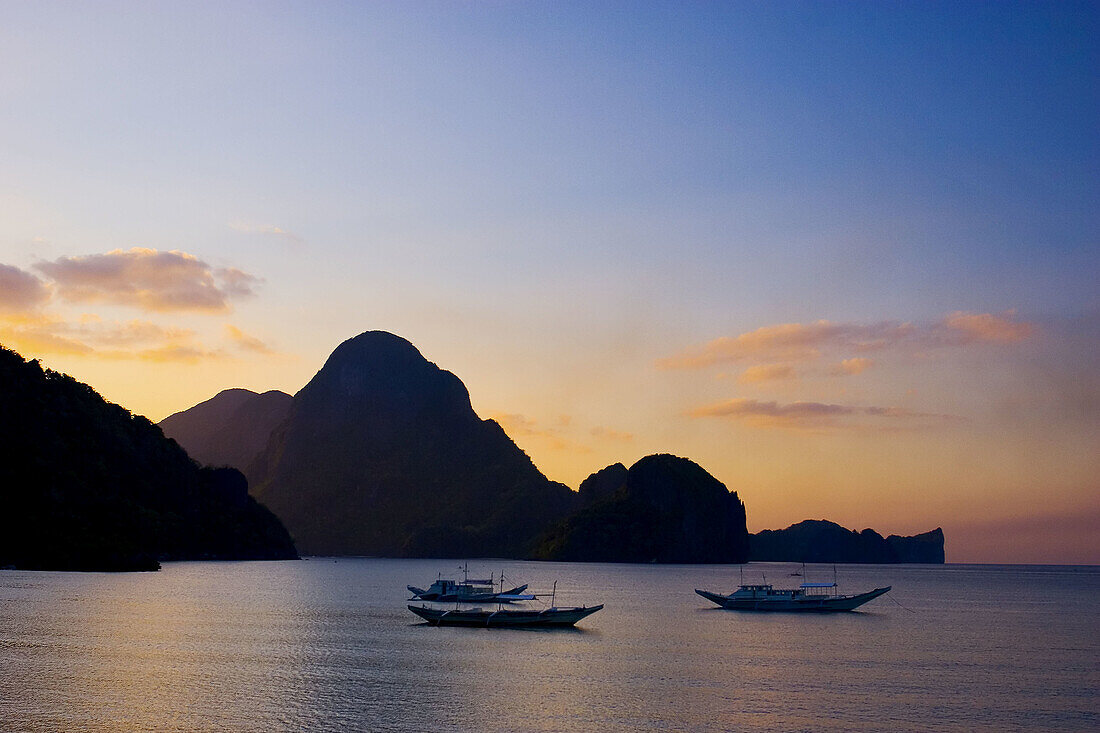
230	428
85	485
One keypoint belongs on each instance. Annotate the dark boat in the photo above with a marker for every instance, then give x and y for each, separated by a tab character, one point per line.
505	617
812	597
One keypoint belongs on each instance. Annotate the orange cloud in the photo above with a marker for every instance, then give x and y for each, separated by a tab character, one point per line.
766	373
988	327
603	433
186	353
38	335
21	291
802	342
521	426
790	342
148	279
855	365
33	342
129	333
246	342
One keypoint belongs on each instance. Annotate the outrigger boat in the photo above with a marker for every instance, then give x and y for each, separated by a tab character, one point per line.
552	617
806	597
548	617
470	591
474	591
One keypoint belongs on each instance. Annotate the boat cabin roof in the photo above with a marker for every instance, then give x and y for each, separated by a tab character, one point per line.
818	585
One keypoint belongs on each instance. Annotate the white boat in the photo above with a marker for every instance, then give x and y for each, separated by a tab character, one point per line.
470	590
474	591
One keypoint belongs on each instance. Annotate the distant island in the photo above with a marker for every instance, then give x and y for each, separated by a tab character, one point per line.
85	485
662	509
822	541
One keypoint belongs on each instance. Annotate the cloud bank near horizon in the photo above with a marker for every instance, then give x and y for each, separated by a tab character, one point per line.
807	342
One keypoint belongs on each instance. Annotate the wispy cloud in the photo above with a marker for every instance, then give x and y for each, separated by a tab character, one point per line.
811	415
974	327
766	373
248	343
127	333
90	336
268	230
185	353
35	336
148	279
855	365
601	433
521	426
21	291
804	342
559	434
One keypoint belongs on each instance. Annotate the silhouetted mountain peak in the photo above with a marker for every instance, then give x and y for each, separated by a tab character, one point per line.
382	453
663	508
230	428
379	375
667	481
603	484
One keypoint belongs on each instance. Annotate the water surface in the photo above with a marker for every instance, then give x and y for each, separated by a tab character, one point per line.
327	644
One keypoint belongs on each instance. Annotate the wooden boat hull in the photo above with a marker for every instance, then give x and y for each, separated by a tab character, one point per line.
807	603
550	617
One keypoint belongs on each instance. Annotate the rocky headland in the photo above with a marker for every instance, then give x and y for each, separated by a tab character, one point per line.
86	485
662	509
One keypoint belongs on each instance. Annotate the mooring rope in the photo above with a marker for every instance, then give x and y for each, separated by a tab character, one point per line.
899	604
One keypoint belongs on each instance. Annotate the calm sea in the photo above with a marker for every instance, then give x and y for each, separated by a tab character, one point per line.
329	645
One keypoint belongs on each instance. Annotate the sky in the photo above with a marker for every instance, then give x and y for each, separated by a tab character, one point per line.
843	255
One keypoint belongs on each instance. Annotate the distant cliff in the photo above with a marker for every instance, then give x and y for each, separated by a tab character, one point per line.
382	454
85	485
230	428
823	541
663	509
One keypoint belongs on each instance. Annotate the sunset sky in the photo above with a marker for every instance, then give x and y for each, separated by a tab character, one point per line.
844	256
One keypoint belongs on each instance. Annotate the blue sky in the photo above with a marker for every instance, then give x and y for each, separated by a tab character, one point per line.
549	198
